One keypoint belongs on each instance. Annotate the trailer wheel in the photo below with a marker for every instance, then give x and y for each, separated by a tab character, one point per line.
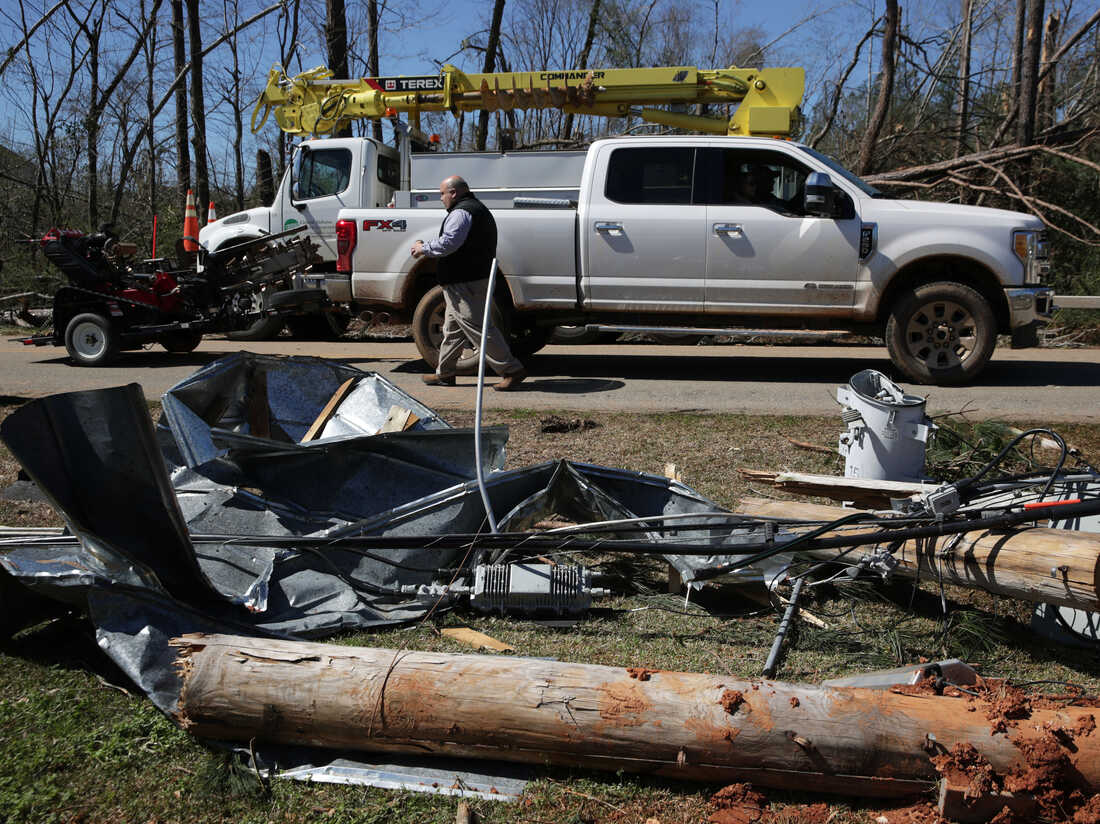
181	342
91	340
427	329
941	333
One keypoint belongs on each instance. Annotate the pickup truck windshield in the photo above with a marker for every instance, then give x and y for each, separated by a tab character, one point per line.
866	188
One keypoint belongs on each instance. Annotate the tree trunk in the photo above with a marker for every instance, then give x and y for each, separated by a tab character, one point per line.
198	105
336	47
183	152
886	87
150	50
373	67
1046	90
490	56
582	59
680	724
1016	563
91	124
962	98
1029	74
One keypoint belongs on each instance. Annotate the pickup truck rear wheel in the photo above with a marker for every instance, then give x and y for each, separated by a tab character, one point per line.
181	341
427	329
266	328
941	333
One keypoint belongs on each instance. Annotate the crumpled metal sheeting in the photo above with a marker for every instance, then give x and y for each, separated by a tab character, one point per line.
216	408
94	454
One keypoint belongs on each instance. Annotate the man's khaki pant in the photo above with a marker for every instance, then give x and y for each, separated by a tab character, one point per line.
462	328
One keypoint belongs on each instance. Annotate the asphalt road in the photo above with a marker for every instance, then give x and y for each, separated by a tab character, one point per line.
1028	384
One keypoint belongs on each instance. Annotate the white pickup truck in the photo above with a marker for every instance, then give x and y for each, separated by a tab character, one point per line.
658	233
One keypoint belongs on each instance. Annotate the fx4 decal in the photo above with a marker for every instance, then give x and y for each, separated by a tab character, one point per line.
384	225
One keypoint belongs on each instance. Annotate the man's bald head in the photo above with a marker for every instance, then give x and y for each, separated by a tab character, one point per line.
451	189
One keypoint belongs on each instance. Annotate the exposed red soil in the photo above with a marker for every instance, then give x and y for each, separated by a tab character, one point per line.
738	804
641	673
923	813
965	766
794	701
732	700
1085	725
1089	813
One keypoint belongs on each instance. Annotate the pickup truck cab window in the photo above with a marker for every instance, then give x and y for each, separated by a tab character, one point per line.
752	177
322	172
651	175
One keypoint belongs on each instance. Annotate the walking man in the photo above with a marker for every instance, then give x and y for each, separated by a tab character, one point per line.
466	246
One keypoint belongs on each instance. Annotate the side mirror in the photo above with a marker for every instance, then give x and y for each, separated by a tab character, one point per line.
296	163
820	197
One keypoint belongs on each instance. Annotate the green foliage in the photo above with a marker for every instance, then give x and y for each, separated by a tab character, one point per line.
962	447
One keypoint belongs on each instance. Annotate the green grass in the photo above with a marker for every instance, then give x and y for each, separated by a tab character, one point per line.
73	747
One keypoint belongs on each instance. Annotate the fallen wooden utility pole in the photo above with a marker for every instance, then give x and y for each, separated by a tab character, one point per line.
683	725
1052	566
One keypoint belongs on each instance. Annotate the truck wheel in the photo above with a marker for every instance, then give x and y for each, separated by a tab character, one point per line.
181	342
427	329
90	340
941	333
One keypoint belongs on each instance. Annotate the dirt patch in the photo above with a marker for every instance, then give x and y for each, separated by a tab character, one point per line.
794	701
914	814
738	804
1046	764
1085	725
556	423
640	673
731	701
1089	813
963	765
1005	705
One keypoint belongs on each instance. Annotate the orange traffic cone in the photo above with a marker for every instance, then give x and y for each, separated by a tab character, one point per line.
190	225
211	215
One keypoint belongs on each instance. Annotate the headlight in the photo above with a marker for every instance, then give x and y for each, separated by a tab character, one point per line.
1031	248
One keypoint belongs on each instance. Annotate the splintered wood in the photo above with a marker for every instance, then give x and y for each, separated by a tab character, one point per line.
875	743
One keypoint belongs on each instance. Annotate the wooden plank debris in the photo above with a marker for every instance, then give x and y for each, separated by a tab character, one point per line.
398	420
477	640
329	410
866	492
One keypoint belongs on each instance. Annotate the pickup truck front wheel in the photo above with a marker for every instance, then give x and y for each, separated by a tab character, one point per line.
941	333
427	329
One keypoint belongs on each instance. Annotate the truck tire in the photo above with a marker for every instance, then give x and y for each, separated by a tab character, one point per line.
941	333
427	329
266	328
676	338
181	342
91	340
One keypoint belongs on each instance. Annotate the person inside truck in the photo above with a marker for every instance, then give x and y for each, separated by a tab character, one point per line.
764	184
466	247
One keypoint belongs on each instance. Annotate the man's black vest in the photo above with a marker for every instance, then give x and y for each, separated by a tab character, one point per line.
472	260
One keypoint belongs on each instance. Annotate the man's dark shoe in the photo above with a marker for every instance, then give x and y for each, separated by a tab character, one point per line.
437	380
510	382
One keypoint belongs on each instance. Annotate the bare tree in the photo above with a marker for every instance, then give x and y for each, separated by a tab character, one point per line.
962	97
198	104
336	47
373	68
1029	74
487	66
886	87
582	58
183	151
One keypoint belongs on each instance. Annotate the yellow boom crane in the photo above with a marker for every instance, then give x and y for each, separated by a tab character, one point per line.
313	103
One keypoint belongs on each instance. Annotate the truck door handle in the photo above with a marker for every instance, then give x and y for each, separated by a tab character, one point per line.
609	227
728	229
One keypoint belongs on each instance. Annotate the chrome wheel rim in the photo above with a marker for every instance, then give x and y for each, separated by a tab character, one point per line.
89	340
941	334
